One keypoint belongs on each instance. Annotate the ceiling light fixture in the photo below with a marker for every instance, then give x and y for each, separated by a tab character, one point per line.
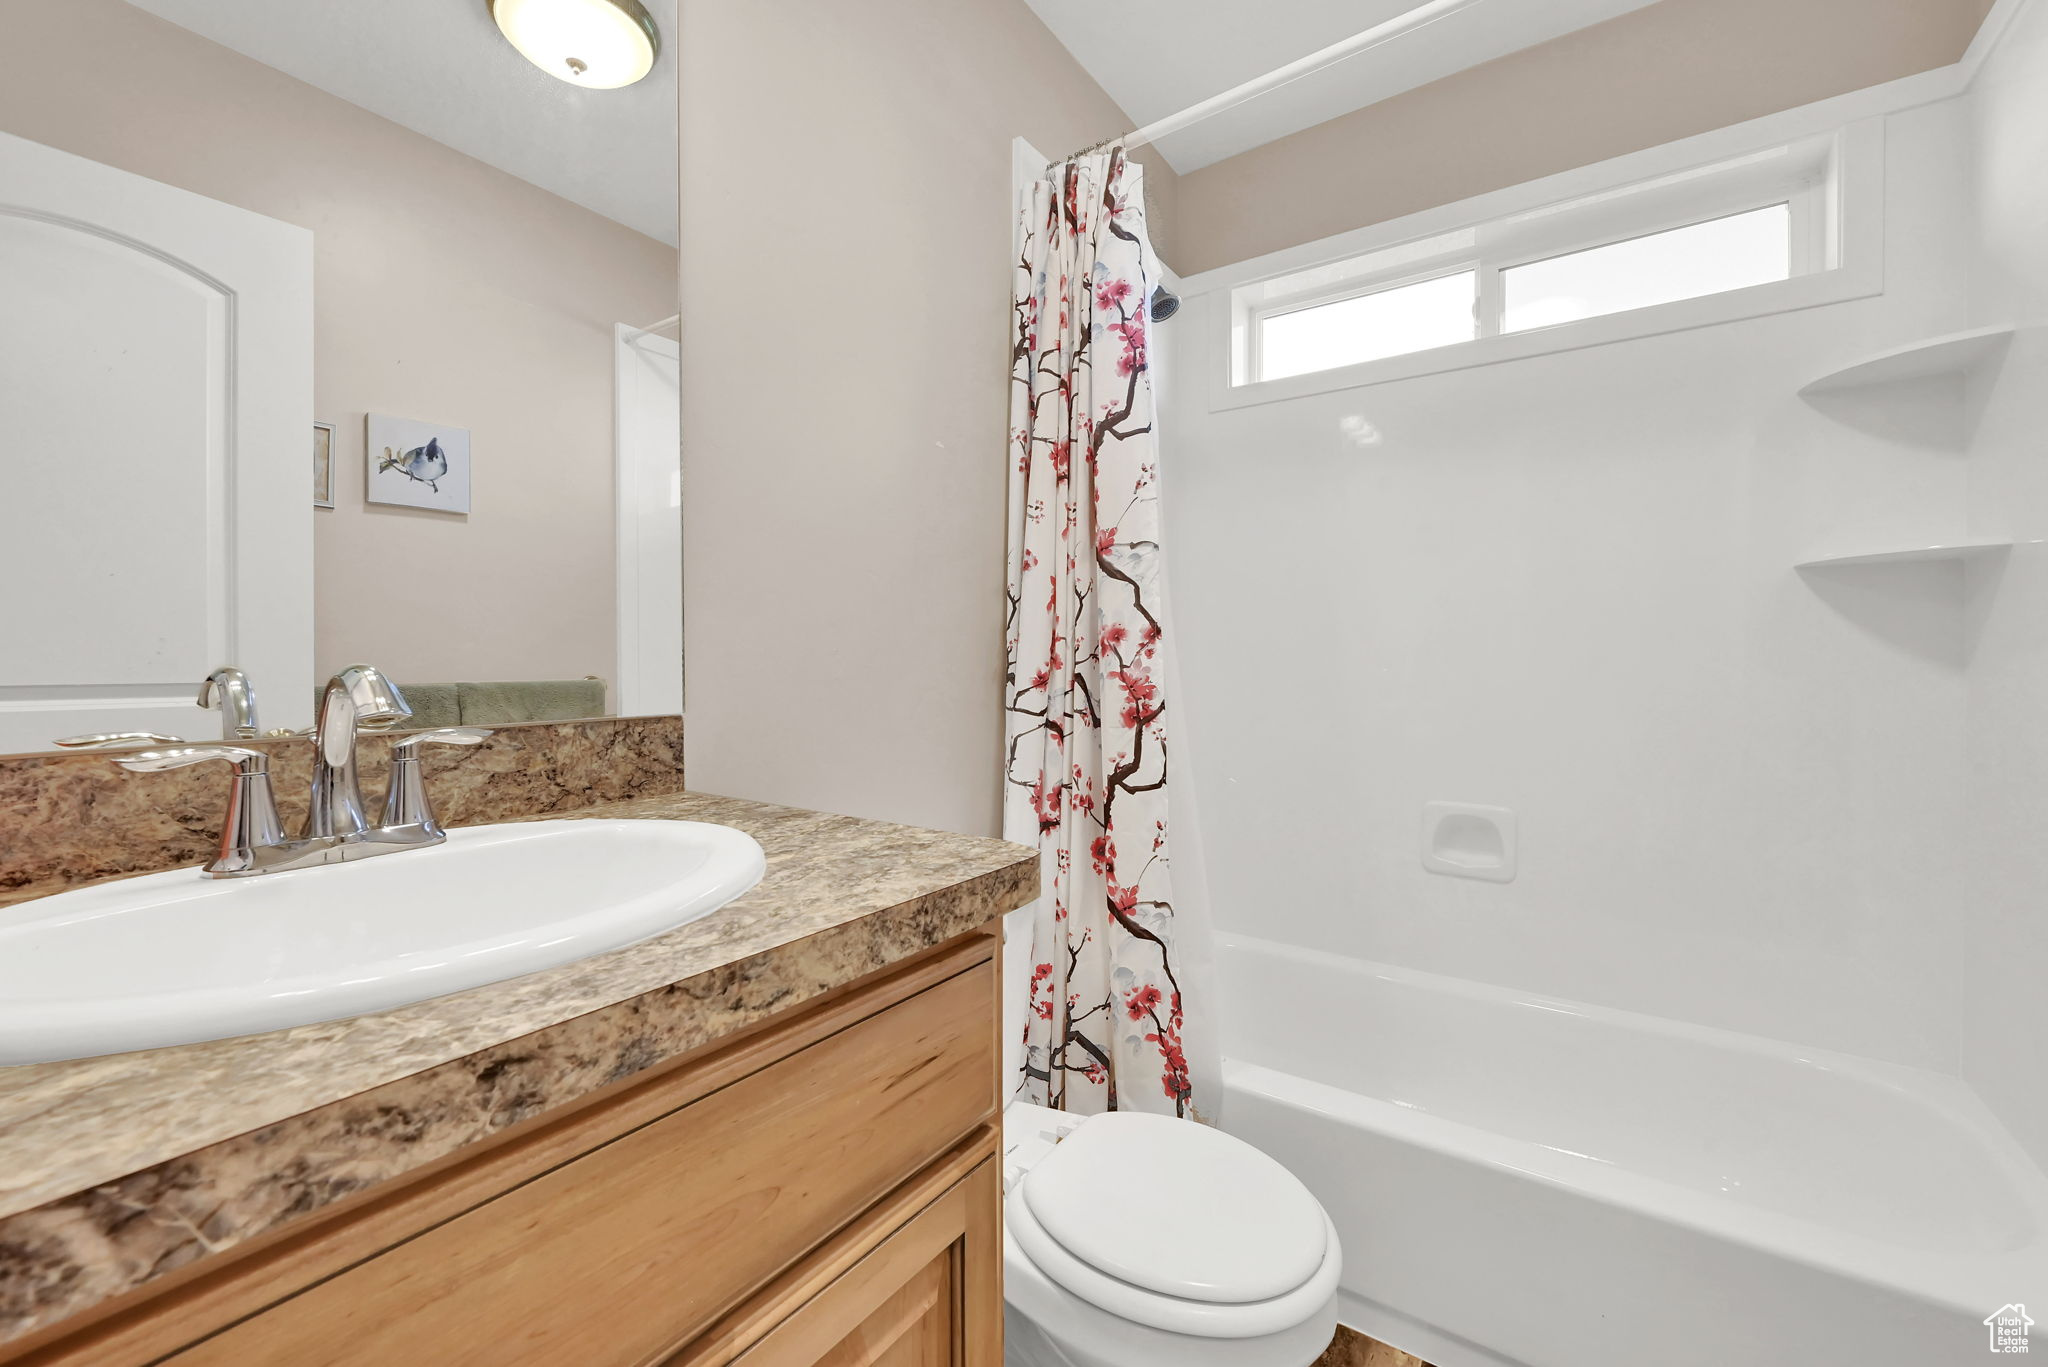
597	44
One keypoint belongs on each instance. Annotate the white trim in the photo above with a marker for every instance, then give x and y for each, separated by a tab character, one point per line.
647	533
1859	164
75	698
674	320
1720	144
1788	296
1802	176
1996	28
1027	168
1027	164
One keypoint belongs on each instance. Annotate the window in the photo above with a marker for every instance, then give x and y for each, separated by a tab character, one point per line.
1539	278
1367	327
1731	253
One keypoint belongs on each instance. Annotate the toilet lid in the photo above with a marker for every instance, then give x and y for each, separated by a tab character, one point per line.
1178	1208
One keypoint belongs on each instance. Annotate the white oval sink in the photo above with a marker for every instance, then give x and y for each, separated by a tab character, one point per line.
172	958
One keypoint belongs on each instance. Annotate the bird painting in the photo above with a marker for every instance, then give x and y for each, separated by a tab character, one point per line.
423	464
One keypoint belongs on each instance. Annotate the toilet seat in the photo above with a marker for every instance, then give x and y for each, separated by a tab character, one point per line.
1199	1319
1172	1225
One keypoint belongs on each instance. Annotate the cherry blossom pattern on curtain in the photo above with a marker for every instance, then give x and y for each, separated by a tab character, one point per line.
1084	704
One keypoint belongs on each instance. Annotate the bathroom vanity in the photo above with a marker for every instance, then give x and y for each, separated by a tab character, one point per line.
768	1137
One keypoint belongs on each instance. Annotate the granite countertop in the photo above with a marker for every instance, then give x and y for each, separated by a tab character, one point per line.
115	1170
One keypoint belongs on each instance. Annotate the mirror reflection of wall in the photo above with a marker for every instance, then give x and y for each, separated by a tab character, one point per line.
233	220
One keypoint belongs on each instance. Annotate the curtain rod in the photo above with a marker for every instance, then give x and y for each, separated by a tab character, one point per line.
663	326
1396	27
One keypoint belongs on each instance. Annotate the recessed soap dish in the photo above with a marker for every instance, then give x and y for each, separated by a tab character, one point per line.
1467	840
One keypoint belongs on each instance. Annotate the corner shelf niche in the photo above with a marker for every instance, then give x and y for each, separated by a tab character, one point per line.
1956	353
1954	550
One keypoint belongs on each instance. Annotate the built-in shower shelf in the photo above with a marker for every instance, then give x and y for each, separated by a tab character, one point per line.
1956	353
1907	555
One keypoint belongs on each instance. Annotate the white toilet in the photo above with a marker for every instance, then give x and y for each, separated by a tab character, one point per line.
1143	1241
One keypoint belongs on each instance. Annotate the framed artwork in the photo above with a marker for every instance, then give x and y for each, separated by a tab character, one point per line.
323	465
416	464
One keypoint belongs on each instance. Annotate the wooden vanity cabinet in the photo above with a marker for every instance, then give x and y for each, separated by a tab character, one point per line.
927	1290
824	1189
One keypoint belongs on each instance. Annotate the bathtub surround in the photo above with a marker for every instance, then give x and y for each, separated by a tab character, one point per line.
1083	696
1564	585
75	818
1779	849
2002	932
116	1171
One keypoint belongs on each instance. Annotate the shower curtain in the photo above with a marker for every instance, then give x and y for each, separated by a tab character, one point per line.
1085	704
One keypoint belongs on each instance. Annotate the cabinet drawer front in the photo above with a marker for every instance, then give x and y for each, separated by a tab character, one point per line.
909	1302
622	1254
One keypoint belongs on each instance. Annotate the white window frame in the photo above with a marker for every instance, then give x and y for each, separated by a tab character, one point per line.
1833	181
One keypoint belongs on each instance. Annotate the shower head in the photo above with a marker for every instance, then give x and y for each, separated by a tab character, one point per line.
1164	304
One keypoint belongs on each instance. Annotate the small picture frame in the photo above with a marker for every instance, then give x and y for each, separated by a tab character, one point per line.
323	465
416	464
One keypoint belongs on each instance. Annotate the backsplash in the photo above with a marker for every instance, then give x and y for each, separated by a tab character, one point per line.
68	819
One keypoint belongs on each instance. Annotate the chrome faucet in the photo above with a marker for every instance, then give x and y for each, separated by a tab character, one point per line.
252	839
359	694
229	689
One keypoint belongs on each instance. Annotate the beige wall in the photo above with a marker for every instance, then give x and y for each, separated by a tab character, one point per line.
446	290
846	276
1654	75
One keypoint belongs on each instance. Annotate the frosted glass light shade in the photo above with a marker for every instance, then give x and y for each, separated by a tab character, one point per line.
597	44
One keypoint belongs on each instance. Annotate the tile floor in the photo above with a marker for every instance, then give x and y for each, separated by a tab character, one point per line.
1353	1349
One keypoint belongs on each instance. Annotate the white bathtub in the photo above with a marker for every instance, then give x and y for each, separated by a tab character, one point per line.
1537	1182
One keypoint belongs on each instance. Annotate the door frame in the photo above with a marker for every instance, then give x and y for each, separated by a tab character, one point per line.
647	485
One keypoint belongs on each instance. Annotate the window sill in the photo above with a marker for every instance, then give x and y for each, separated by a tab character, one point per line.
1758	301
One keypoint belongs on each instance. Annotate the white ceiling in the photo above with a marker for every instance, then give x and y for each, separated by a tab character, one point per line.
441	68
1157	57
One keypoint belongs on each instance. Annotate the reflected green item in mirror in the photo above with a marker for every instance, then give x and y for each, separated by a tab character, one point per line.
434	704
487	704
484	704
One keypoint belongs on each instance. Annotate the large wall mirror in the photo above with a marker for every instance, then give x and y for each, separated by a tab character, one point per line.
330	333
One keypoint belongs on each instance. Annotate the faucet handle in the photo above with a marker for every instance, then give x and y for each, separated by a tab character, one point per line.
99	740
405	797
250	762
251	822
440	735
